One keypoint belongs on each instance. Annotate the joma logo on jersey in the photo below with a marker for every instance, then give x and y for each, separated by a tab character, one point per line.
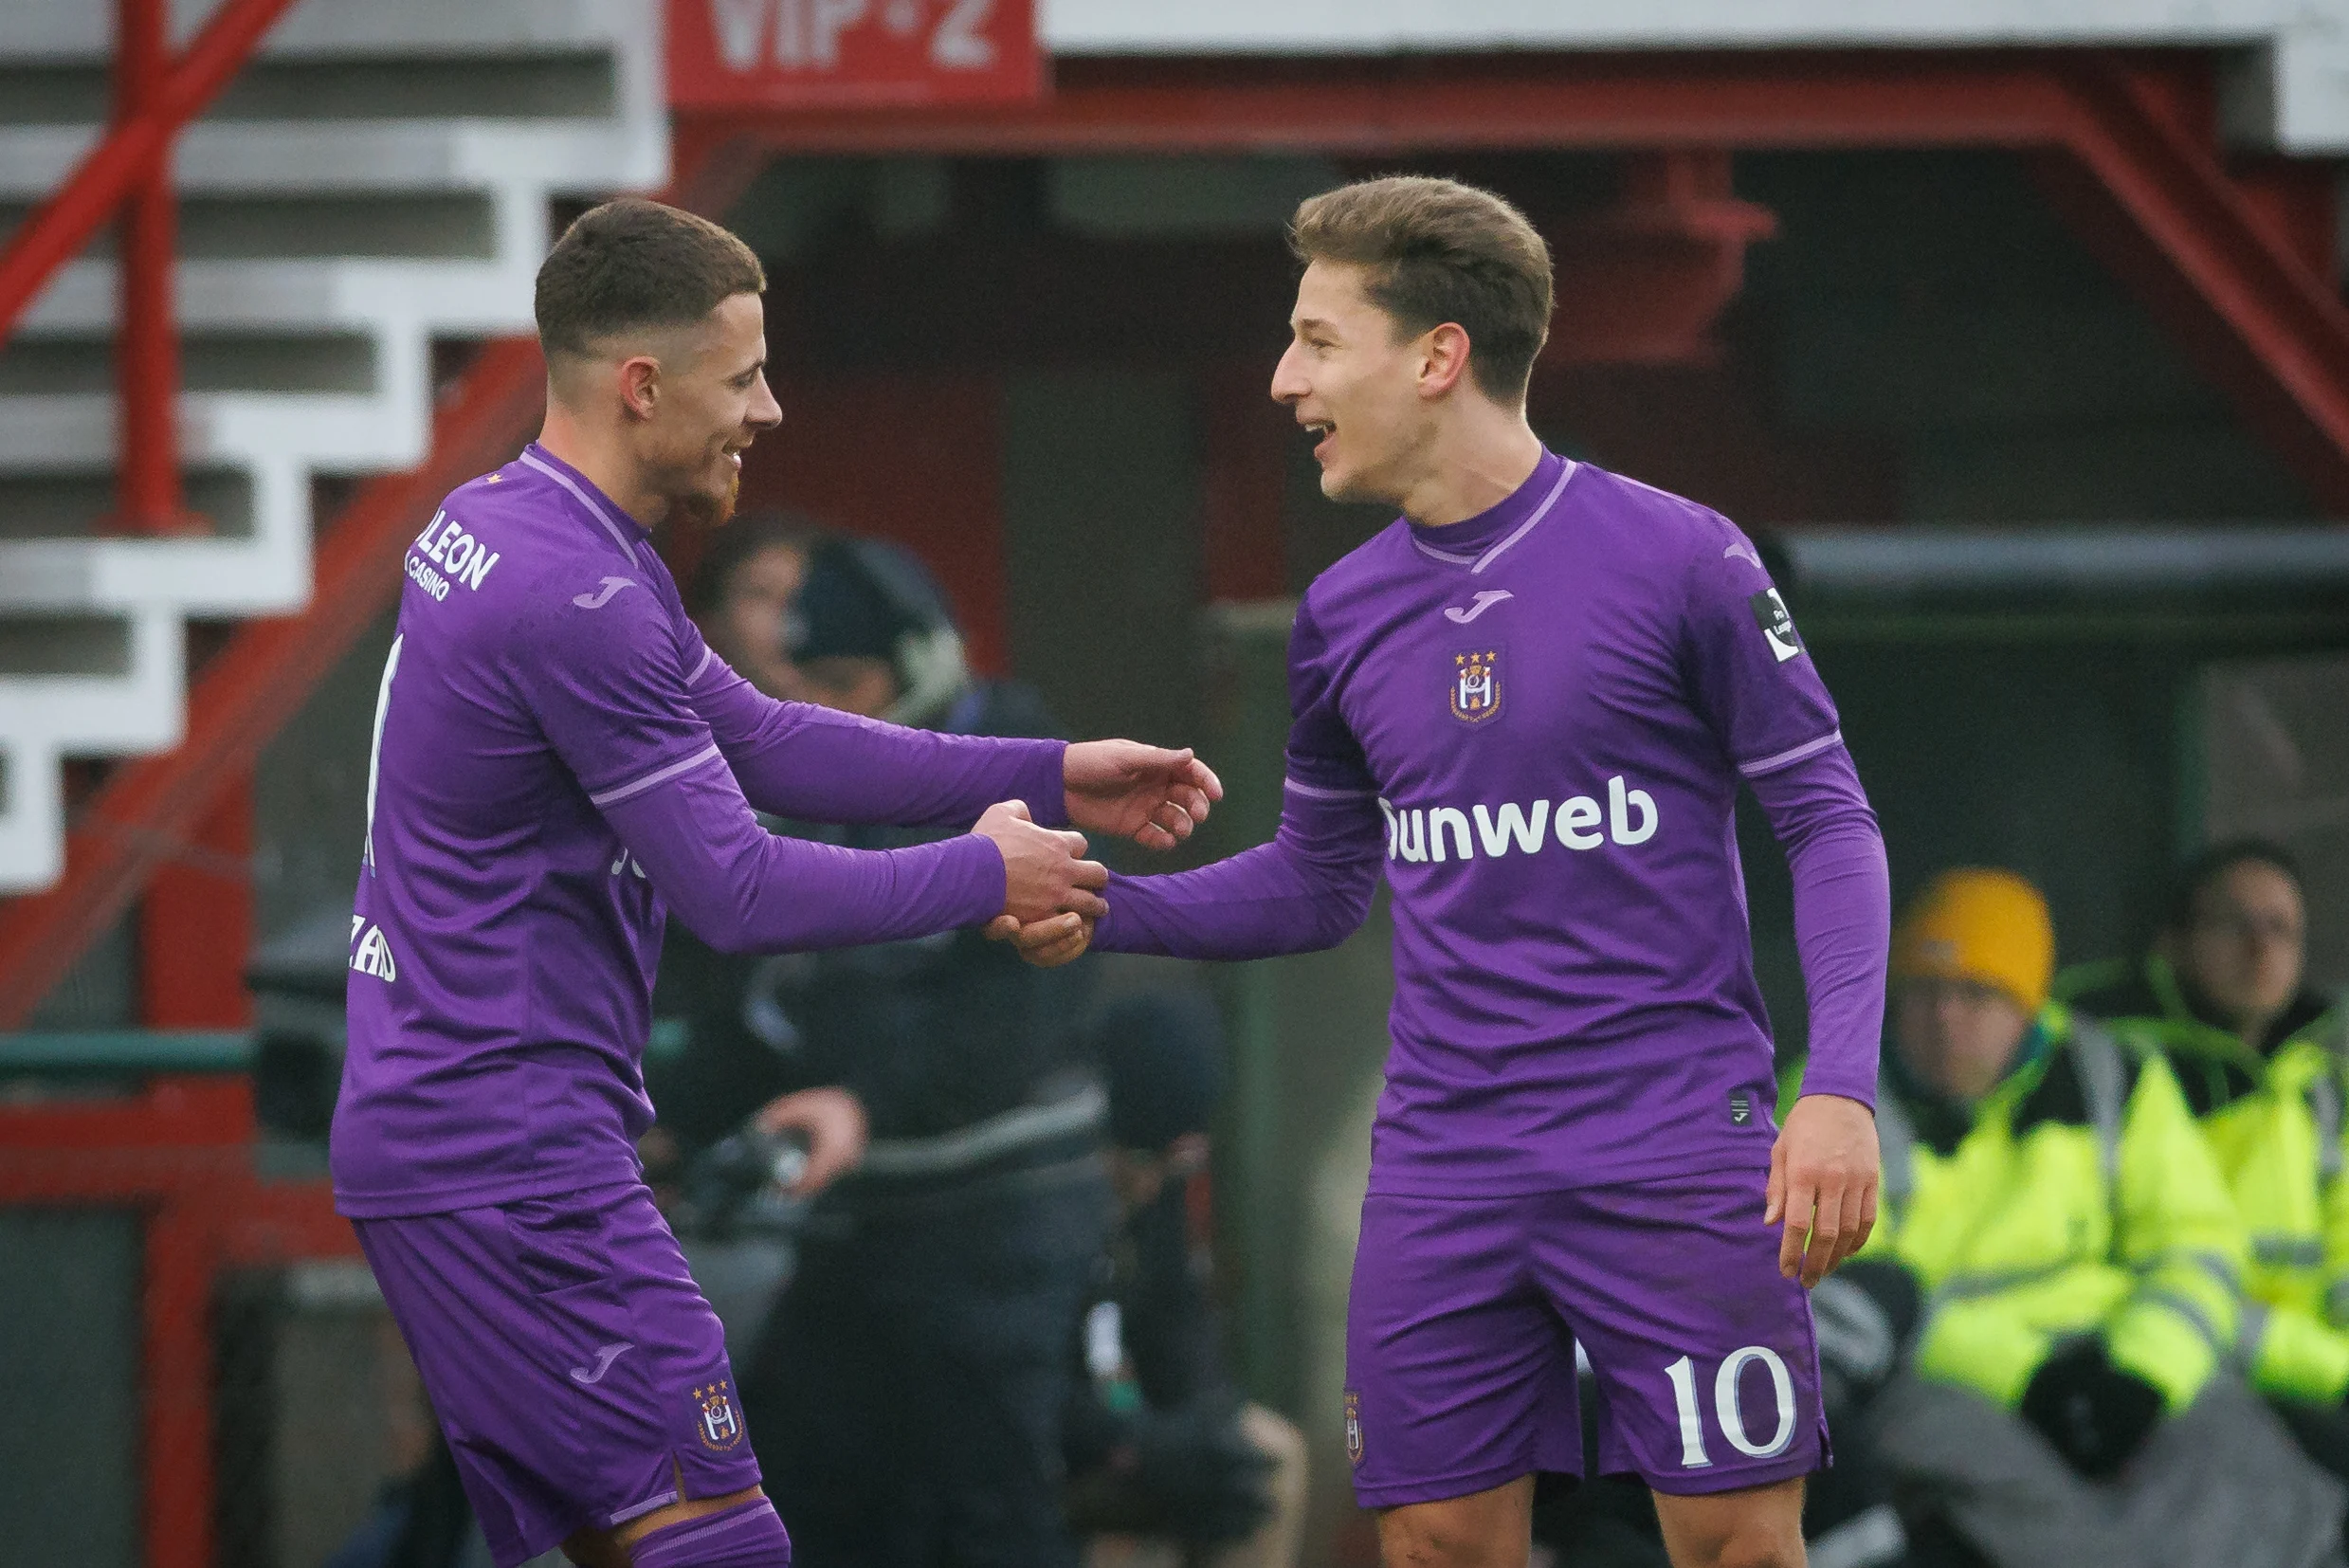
1476	686
446	545
1445	833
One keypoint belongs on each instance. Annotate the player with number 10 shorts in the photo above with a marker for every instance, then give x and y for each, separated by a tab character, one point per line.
1531	701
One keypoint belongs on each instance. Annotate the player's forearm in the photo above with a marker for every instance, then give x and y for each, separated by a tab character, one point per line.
1843	915
800	760
1301	893
743	889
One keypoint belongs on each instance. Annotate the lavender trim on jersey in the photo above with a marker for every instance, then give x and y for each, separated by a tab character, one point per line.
1453	557
659	775
1477	563
701	666
1527	526
584	500
638	1510
1319	793
1788	758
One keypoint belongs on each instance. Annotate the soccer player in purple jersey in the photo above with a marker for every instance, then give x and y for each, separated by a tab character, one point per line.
1532	699
559	760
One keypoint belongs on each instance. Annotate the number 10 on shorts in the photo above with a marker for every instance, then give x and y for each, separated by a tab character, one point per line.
1727	1408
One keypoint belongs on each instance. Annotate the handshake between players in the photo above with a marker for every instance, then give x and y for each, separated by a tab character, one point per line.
1121	788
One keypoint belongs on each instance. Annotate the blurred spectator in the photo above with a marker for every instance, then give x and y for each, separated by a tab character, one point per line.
1167	1462
2067	1397
2220	995
907	1392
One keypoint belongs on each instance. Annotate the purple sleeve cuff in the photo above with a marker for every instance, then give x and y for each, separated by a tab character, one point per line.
1843	915
743	889
1044	781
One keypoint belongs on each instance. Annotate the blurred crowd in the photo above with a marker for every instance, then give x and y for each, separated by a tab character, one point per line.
2103	1316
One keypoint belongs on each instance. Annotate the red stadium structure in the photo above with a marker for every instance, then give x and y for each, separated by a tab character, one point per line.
2234	253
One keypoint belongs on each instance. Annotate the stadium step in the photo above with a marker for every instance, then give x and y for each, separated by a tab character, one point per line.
379	178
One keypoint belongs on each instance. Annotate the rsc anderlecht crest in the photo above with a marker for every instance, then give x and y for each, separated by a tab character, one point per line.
1476	686
720	1423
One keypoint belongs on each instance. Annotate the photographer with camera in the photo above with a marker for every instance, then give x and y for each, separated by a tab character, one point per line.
1167	1462
905	1394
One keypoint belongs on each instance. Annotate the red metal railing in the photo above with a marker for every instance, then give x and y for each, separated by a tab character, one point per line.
131	172
149	806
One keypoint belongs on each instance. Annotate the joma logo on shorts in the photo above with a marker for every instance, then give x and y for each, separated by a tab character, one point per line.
1445	832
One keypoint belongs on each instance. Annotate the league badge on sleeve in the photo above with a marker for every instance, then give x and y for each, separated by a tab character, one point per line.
720	1424
1476	686
1776	624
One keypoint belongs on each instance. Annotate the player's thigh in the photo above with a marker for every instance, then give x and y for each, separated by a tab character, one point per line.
1751	1527
1703	1356
1459	1376
1488	1529
575	1370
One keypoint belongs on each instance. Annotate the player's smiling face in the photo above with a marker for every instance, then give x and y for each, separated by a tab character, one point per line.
712	402
1353	380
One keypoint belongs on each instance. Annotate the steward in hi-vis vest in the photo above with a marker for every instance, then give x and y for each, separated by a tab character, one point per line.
2069	1237
2041	1334
2272	1116
2220	997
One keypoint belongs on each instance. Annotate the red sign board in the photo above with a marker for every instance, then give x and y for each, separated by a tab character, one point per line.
794	54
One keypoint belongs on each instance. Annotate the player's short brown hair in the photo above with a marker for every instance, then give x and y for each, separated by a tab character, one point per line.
1436	250
633	264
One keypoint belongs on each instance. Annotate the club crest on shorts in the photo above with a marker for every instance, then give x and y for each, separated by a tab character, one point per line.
720	1423
1476	686
1353	1428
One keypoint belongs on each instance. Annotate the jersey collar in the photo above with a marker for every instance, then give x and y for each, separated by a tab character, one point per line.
601	506
1477	541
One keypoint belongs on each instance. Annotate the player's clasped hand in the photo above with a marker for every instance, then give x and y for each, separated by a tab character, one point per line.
1046	944
1824	1172
1042	875
1147	794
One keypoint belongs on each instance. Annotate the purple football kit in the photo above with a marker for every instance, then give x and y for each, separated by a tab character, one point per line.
1535	723
559	761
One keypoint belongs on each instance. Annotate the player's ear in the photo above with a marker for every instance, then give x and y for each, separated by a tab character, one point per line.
640	384
1443	360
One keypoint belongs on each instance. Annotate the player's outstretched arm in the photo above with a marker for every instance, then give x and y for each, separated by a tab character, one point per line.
740	889
1308	889
800	760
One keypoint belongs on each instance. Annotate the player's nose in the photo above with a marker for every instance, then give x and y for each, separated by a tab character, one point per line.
1288	379
765	412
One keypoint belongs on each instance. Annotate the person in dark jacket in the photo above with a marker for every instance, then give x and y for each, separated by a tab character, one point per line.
1168	1461
905	1394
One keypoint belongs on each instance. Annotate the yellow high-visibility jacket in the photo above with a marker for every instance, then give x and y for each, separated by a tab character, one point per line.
2078	1197
2274	1122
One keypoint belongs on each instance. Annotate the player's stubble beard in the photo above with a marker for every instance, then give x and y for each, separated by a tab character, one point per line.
702	511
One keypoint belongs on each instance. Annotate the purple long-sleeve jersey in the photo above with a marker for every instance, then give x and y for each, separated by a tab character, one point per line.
1536	720
560	759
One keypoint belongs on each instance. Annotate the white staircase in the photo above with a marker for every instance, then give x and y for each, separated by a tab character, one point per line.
380	176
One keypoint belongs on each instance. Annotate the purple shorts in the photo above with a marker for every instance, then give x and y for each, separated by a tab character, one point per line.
577	1373
1465	1314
